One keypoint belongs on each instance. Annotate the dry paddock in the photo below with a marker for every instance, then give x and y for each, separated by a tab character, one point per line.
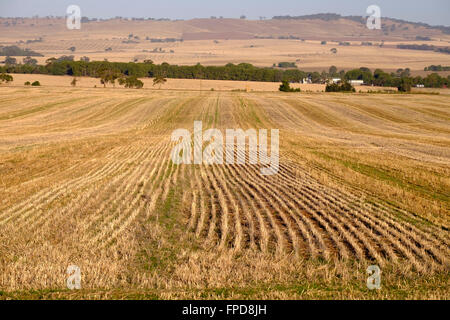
176	84
86	179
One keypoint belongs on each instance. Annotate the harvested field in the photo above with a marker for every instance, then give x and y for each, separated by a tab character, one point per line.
86	179
186	84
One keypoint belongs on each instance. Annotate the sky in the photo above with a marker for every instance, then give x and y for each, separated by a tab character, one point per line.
434	12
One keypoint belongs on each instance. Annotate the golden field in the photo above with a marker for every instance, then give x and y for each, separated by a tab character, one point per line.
86	179
183	84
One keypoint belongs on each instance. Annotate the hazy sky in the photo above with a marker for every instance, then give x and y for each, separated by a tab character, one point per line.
430	11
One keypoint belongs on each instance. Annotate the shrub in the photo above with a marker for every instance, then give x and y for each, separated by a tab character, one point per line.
405	85
287	65
36	84
16	51
5	78
131	82
28	83
10	61
285	87
340	87
30	61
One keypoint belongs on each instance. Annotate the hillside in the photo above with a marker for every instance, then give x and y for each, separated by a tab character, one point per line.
317	27
220	41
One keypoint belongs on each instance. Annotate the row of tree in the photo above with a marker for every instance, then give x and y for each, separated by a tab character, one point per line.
16	51
437	68
242	72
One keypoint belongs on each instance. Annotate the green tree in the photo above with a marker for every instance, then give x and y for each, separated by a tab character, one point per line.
131	82
108	75
405	85
343	86
360	74
30	61
287	65
159	80
333	71
286	87
5	78
434	80
10	61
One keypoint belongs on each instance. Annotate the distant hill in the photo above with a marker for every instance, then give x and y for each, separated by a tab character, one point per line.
328	27
360	19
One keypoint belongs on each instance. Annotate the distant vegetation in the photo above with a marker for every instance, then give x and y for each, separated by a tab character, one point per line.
242	72
437	68
131	82
32	41
5	78
288	37
159	80
404	85
10	61
343	86
425	47
30	61
319	16
16	51
163	40
421	38
286	87
287	65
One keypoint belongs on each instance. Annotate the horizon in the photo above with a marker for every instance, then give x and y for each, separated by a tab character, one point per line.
433	12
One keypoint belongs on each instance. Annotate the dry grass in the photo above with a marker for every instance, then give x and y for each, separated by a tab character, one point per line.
183	84
86	179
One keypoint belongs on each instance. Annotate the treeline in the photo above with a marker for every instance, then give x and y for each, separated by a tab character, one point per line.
424	47
16	51
396	79
242	72
436	68
239	72
320	16
158	40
